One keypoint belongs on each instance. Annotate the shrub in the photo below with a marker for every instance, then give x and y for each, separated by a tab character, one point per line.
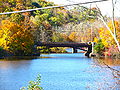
44	49
34	85
3	53
99	47
58	50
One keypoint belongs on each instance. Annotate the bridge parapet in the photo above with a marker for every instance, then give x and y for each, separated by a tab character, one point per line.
62	44
73	45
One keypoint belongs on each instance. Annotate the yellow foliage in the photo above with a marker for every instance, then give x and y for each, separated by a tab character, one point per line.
95	40
66	38
14	37
73	36
105	35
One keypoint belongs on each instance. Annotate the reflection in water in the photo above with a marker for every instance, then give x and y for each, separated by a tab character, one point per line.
108	61
4	65
111	67
60	72
15	62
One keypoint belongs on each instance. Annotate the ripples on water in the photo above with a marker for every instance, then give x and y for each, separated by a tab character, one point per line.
60	72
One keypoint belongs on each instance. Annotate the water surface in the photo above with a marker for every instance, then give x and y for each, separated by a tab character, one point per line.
59	72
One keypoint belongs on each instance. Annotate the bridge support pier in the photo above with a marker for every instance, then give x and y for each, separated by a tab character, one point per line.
90	50
74	50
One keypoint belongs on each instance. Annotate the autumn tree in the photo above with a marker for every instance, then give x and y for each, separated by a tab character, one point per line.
46	19
15	38
106	37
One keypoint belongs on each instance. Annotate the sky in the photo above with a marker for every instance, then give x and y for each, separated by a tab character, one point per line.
105	7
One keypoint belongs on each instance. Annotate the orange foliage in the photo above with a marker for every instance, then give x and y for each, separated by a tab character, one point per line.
73	36
105	35
14	37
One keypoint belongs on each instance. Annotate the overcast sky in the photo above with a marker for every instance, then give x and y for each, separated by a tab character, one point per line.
105	7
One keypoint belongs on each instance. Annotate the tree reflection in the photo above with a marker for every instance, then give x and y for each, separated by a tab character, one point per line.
109	71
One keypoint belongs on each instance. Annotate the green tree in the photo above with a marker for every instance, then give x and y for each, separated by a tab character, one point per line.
99	47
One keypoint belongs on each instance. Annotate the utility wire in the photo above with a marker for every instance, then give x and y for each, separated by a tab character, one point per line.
28	10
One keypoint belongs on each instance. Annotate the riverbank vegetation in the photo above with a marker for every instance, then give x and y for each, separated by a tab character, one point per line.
19	32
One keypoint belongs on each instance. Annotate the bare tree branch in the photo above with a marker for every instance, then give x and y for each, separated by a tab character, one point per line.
101	17
113	18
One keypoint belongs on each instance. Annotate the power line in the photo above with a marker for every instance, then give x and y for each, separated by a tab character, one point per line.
28	10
